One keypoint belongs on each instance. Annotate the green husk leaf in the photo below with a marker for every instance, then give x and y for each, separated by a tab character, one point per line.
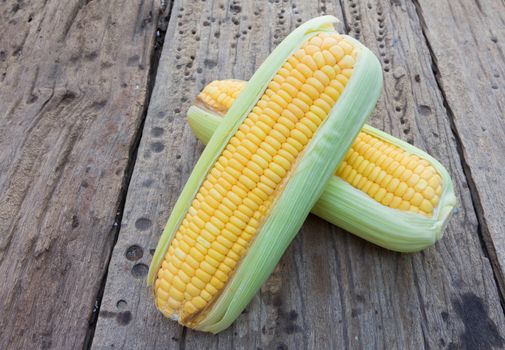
203	123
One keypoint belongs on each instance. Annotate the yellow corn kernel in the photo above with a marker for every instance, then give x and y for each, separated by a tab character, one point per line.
220	94
375	159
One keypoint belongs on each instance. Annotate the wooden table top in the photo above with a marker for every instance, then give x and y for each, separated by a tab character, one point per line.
95	149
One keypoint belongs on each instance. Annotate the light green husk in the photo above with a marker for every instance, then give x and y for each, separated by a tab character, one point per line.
306	182
345	206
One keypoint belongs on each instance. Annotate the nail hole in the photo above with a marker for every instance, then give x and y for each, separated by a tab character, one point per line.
134	252
157	147
157	131
121	304
147	183
139	270
143	223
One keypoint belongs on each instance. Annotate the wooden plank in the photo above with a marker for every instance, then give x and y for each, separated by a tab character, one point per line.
471	71
73	80
331	289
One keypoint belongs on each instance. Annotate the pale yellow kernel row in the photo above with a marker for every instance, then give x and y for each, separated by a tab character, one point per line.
391	175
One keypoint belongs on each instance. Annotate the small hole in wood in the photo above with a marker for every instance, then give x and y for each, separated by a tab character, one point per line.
121	304
157	147
143	224
134	252
157	131
139	270
147	183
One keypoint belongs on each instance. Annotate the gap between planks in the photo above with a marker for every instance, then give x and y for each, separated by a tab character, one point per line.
472	188
163	18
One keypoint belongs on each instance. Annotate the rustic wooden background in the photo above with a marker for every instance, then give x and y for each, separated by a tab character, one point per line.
94	150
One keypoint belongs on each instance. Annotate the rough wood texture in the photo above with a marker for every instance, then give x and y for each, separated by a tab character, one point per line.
331	289
471	71
73	78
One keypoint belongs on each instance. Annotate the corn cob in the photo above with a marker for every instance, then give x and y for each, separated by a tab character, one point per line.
261	173
378	171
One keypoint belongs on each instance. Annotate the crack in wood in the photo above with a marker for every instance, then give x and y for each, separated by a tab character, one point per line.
482	229
154	62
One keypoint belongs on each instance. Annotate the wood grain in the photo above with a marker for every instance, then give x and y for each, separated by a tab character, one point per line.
331	289
470	67
73	79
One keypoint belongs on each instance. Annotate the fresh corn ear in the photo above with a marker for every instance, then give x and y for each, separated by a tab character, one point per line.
385	191
261	173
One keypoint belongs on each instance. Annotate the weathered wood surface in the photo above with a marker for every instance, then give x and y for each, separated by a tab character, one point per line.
73	78
468	40
331	289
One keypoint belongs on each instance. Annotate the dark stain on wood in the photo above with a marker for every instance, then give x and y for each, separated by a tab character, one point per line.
122	318
75	221
480	331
